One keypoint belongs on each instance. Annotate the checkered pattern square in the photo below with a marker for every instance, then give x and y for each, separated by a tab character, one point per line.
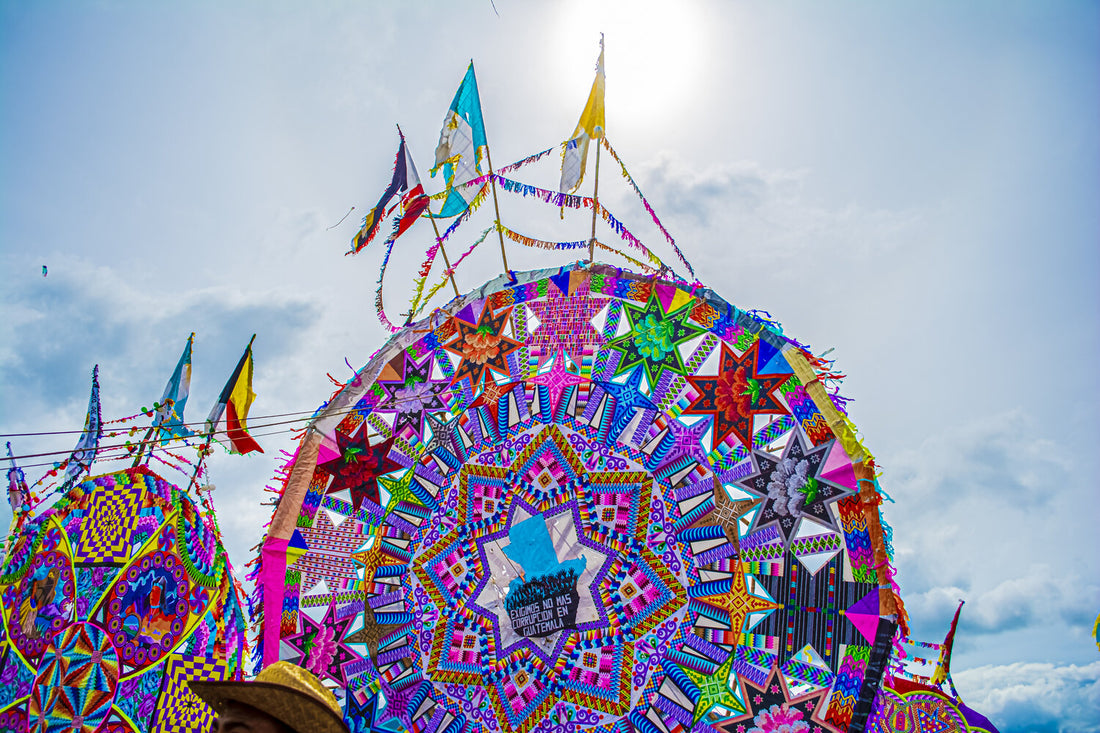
107	524
179	710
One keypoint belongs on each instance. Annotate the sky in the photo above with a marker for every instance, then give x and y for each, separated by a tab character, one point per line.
913	185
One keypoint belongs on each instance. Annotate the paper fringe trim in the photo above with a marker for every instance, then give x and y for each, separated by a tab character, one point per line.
570	201
506	169
583	244
648	208
555	198
414	310
433	251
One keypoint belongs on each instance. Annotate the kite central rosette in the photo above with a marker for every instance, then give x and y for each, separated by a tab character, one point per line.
581	499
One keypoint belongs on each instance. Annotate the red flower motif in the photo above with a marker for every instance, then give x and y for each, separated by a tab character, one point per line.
732	394
480	346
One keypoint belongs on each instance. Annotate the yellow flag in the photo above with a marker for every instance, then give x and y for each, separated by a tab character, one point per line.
589	127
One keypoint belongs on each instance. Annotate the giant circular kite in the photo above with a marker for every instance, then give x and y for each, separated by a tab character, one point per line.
584	499
112	599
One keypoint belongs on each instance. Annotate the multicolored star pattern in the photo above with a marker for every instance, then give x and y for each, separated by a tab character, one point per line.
359	465
654	338
792	488
679	585
482	347
737	394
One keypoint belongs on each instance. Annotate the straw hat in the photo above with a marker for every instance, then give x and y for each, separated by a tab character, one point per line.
284	691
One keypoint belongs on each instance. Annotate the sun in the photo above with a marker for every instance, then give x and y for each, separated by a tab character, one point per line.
656	56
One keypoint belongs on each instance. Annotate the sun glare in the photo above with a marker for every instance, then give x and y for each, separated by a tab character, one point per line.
655	55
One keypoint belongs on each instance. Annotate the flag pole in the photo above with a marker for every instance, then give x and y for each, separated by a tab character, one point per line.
595	200
141	446
204	450
496	206
443	250
493	181
438	239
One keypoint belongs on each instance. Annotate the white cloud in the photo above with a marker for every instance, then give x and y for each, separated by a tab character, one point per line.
1013	603
771	209
990	511
1035	697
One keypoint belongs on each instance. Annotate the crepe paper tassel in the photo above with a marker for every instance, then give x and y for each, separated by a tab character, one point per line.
433	251
485	177
561	200
564	246
447	273
649	269
540	243
417	304
619	228
648	208
379	308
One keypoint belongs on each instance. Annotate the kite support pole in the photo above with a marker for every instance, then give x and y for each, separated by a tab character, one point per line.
496	206
446	259
141	448
203	452
595	202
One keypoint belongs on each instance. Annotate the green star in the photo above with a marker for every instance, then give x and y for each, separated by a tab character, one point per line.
653	338
399	490
717	698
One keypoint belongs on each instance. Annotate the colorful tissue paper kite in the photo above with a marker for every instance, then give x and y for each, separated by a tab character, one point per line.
112	599
581	499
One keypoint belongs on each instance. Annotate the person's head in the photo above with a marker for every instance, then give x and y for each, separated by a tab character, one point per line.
283	698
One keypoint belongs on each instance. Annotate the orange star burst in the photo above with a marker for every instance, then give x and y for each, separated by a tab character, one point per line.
738	603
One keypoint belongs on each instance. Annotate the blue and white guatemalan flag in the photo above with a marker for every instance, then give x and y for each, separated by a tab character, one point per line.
86	448
460	144
169	417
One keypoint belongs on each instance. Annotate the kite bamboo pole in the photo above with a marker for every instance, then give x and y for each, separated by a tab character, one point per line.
496	206
203	452
595	201
446	259
141	446
438	239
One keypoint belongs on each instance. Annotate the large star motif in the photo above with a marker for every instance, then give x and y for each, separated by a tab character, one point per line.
371	556
726	513
628	398
717	697
442	433
736	601
653	338
566	323
737	394
792	488
771	707
482	347
557	380
359	466
372	632
412	394
321	645
400	490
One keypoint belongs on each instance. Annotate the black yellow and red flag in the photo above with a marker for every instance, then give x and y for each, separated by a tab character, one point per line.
235	400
